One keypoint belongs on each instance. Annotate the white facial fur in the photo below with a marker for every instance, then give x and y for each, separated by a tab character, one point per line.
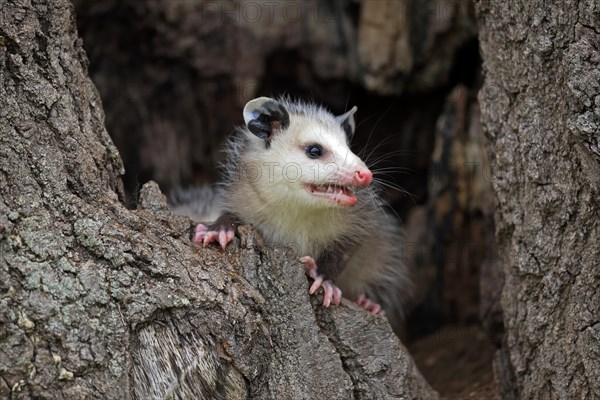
284	168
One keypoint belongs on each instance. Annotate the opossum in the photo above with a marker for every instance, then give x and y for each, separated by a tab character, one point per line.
291	174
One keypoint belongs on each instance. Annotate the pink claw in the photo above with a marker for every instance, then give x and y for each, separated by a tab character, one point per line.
211	236
316	284
360	300
337	295
225	236
328	295
201	231
223	239
332	294
368	305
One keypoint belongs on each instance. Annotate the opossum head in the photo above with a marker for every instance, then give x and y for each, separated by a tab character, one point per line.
301	154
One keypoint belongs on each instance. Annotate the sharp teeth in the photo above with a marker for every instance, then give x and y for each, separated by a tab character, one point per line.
329	189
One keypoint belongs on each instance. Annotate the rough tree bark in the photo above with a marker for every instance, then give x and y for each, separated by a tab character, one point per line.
541	111
98	301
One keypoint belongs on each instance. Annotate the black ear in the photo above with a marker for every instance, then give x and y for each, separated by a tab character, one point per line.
347	122
265	117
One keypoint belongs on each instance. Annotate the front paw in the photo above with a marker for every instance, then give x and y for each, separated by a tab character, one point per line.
332	293
206	235
222	231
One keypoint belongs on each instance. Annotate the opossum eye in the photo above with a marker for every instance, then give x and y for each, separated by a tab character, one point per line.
314	151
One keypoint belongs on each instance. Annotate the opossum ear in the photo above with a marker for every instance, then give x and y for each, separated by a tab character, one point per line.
266	117
347	122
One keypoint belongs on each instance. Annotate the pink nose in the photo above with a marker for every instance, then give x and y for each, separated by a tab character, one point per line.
363	177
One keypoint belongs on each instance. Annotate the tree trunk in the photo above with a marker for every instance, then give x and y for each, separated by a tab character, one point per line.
540	110
98	301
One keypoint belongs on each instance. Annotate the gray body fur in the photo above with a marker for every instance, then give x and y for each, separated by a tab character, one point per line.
199	203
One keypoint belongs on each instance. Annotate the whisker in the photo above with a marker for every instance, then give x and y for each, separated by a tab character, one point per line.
381	143
389	208
394	186
388	156
377	123
392	169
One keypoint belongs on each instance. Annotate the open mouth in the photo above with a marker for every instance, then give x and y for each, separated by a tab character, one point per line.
336	194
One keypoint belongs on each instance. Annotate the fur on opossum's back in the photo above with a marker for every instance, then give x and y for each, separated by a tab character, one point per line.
200	203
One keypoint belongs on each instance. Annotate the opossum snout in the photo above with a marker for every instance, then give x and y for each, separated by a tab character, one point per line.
362	177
